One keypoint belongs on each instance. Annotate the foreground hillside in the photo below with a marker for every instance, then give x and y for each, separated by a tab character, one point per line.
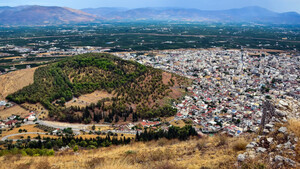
134	89
212	152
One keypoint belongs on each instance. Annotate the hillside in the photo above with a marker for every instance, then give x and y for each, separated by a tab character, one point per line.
212	152
42	15
49	15
137	90
14	81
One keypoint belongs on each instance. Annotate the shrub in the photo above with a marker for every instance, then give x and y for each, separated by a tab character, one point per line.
162	142
91	147
75	148
222	140
240	145
201	144
93	163
130	152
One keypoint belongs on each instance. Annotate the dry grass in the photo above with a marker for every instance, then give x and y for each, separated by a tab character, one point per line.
240	145
16	110
294	126
178	123
162	154
14	81
87	99
29	128
32	136
88	136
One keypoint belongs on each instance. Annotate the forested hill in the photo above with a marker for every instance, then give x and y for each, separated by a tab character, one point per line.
138	91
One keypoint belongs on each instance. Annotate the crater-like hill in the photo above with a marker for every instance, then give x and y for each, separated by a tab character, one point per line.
136	91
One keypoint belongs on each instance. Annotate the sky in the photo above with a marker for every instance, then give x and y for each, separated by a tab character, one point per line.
274	5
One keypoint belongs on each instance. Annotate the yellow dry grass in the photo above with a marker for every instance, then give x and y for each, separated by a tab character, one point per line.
87	99
14	81
178	123
15	110
101	128
29	128
88	136
294	126
37	108
173	154
32	136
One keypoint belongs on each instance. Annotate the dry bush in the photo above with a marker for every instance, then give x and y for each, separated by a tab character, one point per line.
162	142
281	138
201	144
239	145
23	166
294	126
253	164
43	164
154	155
167	165
94	162
12	158
221	140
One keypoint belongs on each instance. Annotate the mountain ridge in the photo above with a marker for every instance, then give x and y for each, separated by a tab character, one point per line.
48	15
41	15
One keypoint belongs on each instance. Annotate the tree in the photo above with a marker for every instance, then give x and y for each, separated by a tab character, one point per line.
75	148
93	127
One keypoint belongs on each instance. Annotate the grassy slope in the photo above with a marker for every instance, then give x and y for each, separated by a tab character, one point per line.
14	81
212	152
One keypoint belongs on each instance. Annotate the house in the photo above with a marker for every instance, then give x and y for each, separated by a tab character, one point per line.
149	123
2	125
12	117
11	123
31	118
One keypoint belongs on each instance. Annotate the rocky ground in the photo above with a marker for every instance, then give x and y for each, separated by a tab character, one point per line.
278	144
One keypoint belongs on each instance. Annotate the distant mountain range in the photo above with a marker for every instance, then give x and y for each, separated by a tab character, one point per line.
42	15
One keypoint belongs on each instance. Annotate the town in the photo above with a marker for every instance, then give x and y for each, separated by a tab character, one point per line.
229	86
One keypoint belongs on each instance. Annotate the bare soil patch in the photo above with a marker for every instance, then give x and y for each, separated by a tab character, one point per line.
87	99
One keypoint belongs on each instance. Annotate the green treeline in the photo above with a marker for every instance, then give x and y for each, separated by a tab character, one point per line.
173	133
48	146
45	146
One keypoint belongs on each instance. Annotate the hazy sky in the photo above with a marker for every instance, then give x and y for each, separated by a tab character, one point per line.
275	5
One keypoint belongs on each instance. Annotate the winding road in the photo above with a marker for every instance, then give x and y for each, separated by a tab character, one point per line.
18	134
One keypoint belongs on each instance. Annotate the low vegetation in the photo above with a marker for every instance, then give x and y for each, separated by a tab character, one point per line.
161	154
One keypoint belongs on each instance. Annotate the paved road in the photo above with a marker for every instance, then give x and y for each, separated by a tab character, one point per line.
17	134
77	127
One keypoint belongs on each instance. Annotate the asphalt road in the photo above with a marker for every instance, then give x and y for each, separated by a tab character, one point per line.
17	134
